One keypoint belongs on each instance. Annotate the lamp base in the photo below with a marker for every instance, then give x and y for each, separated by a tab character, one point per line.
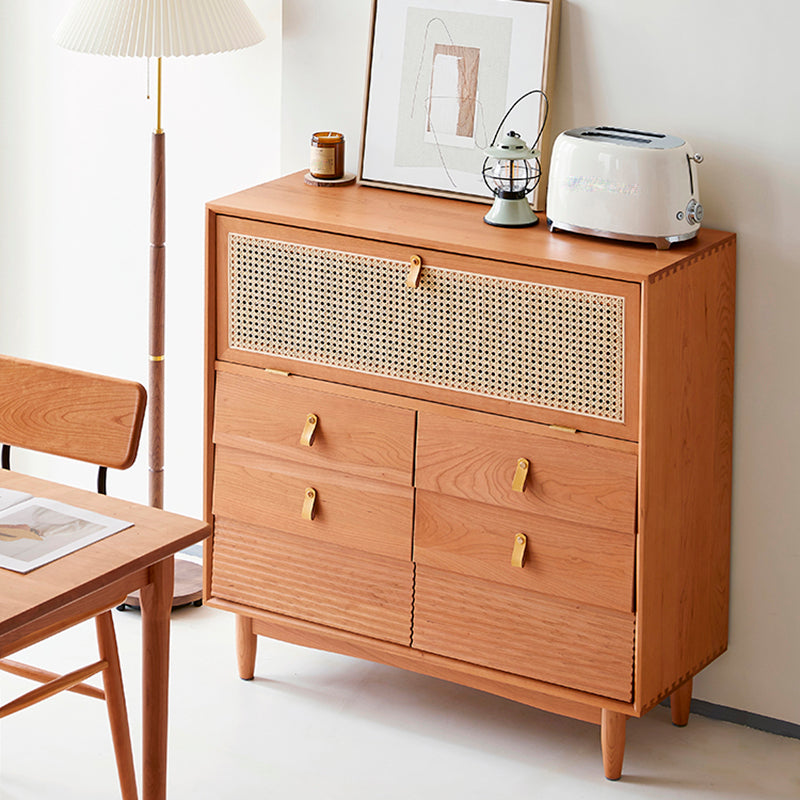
506	213
187	589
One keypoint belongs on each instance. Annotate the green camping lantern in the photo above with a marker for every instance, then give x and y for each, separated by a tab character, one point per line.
511	170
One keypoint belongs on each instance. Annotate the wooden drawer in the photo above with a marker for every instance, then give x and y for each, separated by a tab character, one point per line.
307	579
497	626
563	559
258	412
588	479
371	516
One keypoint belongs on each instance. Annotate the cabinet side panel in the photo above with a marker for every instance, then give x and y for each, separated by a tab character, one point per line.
685	491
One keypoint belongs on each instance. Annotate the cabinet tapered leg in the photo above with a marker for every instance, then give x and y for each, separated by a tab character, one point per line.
680	703
246	644
612	742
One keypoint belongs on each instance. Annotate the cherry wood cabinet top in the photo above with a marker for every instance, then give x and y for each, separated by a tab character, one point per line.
453	226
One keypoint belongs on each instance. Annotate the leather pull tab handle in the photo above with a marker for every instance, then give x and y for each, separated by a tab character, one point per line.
414	272
518	553
309	503
309	429
520	475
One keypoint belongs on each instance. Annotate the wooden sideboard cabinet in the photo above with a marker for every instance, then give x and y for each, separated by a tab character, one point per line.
496	456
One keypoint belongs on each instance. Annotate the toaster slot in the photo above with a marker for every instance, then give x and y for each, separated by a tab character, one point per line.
616	137
611	129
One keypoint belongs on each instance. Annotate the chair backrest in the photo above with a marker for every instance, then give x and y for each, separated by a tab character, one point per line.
66	412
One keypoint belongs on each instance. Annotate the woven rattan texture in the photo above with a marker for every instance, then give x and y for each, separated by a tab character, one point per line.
547	346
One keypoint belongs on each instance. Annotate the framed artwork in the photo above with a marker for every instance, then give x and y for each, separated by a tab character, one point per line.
442	74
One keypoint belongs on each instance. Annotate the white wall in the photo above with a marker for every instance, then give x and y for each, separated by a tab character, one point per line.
74	186
75	134
724	76
325	48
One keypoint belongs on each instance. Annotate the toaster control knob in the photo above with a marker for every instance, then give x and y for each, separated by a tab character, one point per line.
694	212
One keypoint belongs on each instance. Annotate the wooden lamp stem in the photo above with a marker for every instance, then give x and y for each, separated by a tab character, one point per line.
190	581
157	311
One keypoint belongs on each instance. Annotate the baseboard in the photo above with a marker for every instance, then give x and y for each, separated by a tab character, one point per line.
779	727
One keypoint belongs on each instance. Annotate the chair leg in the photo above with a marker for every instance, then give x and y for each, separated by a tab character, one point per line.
115	702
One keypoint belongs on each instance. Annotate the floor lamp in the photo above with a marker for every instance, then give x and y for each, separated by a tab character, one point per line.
156	29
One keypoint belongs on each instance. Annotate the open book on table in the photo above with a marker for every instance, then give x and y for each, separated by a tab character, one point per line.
35	531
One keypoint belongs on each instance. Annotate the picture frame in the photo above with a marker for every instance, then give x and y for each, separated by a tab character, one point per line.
440	77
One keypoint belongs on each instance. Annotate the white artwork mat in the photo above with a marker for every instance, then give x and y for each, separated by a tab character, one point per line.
10	497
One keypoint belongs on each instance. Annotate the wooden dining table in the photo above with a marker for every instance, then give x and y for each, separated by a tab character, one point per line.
90	580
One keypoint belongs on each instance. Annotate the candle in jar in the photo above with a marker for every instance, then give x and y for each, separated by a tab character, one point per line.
327	155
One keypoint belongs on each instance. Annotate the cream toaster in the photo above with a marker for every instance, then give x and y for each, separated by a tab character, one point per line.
624	184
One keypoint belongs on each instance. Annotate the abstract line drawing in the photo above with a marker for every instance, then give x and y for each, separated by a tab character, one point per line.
431	21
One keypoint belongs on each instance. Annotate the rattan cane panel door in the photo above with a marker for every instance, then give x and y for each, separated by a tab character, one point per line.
556	348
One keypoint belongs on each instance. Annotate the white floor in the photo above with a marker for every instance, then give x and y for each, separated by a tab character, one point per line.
322	726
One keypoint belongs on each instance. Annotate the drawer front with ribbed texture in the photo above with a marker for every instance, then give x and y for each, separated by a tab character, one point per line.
306	579
371	516
257	412
556	641
583	480
558	558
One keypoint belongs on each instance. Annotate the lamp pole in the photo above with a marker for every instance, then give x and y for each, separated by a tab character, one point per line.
157	309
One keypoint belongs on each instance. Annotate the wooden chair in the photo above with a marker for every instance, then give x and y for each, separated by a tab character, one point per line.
91	418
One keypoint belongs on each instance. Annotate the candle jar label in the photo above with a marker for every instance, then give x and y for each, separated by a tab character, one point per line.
323	162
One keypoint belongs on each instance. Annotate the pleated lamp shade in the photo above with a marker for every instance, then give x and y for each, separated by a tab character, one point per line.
156	28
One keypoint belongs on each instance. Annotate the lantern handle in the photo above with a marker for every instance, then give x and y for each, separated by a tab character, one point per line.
515	104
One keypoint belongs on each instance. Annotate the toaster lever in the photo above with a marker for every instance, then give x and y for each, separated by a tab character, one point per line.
698	159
